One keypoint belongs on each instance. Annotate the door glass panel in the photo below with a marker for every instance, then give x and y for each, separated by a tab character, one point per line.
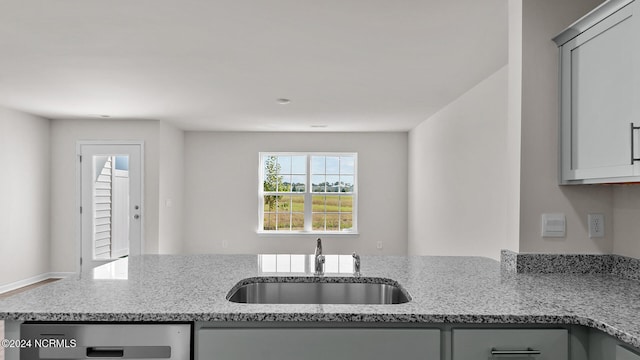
111	204
122	162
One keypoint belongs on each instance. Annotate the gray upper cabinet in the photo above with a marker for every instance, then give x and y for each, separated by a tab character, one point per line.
600	96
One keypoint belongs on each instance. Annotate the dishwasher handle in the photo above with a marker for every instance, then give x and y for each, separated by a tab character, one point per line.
106	352
102	352
129	352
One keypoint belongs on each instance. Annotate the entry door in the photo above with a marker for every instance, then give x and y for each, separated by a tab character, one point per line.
111	202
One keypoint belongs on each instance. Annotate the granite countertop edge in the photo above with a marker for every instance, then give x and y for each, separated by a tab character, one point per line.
331	317
444	290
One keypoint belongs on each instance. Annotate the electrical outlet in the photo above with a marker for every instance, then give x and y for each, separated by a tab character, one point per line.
596	225
225	244
379	245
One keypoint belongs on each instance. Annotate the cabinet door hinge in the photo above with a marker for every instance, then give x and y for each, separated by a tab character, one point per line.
80	209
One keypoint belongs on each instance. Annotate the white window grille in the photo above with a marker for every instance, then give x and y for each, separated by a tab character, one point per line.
308	193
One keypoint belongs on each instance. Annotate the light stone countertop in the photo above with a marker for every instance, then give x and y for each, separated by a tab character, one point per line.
443	290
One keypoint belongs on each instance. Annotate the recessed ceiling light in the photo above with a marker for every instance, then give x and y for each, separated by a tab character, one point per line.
319	126
100	115
283	101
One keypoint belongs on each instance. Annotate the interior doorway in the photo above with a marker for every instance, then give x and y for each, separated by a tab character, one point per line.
110	196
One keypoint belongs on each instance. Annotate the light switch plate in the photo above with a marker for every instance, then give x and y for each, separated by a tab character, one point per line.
554	225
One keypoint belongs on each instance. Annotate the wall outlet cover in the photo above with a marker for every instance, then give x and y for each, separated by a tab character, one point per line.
596	225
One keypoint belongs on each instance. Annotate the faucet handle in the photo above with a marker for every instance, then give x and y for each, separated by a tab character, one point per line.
356	264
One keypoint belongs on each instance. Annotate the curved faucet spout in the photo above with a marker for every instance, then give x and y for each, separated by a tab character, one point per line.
318	247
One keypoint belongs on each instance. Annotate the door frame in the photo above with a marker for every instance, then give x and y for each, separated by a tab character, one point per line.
78	201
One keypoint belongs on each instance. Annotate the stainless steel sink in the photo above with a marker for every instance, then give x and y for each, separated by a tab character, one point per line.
303	291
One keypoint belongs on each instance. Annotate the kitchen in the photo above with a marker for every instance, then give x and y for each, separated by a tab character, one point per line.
517	154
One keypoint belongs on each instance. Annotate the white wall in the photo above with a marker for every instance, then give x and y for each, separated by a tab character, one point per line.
626	220
539	189
221	192
457	175
171	189
24	196
64	136
514	128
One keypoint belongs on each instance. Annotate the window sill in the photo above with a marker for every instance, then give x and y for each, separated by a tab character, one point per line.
310	233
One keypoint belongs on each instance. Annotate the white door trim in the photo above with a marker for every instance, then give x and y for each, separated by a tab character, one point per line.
78	216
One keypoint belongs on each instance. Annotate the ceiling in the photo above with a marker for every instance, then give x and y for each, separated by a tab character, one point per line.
346	65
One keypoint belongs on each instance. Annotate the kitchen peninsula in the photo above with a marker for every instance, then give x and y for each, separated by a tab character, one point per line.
445	293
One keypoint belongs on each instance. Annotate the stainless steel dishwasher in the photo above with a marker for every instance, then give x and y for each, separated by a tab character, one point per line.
105	341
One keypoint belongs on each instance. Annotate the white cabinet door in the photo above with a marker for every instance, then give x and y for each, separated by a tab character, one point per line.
599	92
317	344
624	354
538	344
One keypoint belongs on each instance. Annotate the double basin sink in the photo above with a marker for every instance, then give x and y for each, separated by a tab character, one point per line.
318	290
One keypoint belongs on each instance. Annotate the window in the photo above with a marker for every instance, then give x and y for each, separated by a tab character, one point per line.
308	193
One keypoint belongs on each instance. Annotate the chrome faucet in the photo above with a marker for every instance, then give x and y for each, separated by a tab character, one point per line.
319	259
356	264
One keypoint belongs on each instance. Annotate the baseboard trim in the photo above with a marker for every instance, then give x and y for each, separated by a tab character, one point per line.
32	280
60	275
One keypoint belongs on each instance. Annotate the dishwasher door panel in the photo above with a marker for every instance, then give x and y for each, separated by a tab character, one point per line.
105	341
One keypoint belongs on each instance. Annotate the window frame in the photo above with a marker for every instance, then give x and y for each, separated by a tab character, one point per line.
308	194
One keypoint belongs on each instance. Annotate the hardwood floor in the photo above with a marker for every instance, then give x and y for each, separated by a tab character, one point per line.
17	291
25	288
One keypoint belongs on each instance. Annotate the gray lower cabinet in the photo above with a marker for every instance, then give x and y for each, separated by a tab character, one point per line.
316	344
538	344
625	354
605	347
